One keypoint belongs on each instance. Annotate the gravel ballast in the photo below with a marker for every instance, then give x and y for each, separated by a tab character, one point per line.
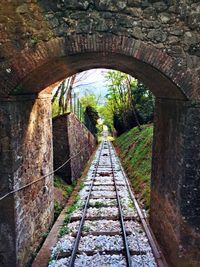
101	243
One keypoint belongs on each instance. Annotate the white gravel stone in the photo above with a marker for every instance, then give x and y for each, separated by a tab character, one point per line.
130	212
101	243
102	212
104	201
138	242
95	226
104	179
102	226
107	194
77	213
59	263
134	226
103	188
83	193
64	244
100	261
144	260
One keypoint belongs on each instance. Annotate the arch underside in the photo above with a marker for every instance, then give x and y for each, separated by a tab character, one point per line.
64	67
33	71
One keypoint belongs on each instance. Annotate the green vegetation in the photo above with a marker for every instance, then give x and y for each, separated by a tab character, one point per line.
97	204
33	41
89	99
64	228
45	234
64	187
81	185
57	208
129	102
65	191
135	150
86	228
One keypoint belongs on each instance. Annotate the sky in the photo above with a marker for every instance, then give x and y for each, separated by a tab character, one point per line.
92	81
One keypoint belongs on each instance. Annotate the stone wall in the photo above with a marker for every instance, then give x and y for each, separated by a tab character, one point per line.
70	137
26	155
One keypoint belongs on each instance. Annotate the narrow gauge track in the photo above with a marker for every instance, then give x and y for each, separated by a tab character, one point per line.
106	230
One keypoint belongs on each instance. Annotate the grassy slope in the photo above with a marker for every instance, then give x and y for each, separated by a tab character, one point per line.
135	150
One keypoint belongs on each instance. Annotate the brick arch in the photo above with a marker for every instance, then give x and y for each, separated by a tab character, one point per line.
175	164
31	72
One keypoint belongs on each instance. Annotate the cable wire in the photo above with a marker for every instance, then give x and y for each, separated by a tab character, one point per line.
43	177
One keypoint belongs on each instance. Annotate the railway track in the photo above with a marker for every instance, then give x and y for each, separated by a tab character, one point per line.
106	229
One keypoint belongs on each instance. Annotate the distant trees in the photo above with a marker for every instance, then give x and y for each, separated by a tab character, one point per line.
90	99
129	101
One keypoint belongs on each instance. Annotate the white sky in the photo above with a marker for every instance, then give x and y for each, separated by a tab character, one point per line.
94	81
95	75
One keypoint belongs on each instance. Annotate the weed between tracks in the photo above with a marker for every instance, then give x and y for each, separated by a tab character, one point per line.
97	204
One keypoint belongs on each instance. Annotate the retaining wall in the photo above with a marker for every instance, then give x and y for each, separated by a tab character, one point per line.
70	137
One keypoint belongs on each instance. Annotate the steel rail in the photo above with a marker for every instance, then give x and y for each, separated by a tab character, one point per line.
127	251
78	236
135	232
160	260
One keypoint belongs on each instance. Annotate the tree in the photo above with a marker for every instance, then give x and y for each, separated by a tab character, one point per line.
125	99
144	102
105	112
91	118
62	95
89	99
